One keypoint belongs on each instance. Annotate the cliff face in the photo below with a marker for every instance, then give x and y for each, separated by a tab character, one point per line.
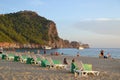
54	40
28	29
53	35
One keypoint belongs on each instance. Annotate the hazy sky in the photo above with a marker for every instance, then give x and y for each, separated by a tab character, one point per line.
96	22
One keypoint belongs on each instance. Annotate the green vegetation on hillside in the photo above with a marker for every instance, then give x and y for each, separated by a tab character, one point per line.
24	27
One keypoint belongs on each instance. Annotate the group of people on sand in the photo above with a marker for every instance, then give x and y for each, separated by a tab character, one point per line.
101	55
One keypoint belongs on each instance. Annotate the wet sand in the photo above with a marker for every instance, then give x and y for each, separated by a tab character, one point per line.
109	70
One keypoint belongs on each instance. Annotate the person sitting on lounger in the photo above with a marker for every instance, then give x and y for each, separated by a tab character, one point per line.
101	55
73	66
65	61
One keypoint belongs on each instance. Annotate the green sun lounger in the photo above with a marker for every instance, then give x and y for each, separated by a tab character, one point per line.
10	56
55	63
16	58
4	56
23	58
86	69
29	60
37	60
45	63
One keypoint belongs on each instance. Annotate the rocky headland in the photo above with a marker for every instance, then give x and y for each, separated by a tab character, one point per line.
26	29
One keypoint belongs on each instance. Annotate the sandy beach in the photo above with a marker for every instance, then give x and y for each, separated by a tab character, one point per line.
10	70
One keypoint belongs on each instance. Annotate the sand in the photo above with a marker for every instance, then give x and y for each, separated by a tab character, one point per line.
10	70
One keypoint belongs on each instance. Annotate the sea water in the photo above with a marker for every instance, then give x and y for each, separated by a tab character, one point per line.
90	52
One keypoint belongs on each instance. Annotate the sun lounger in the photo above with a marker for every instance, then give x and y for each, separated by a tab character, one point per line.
45	63
23	58
10	56
55	63
85	70
58	64
29	60
4	56
37	59
16	58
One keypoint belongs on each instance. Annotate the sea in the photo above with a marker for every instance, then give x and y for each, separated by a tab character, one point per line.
89	52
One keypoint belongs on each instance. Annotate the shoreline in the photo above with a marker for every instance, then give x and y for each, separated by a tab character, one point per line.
10	70
90	52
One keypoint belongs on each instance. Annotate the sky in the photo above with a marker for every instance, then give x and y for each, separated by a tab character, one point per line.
93	22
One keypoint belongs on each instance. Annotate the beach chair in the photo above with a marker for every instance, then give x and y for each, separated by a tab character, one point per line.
45	63
29	60
37	59
55	63
16	58
23	58
58	65
3	56
85	70
10	56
